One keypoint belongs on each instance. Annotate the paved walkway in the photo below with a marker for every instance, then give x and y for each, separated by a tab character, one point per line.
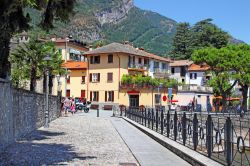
84	139
74	140
147	151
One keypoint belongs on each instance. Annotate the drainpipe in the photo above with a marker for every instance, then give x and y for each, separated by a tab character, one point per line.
87	77
119	75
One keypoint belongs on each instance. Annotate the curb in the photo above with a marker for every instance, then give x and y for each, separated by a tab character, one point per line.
189	155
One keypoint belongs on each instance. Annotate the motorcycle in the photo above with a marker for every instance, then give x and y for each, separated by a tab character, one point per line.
86	106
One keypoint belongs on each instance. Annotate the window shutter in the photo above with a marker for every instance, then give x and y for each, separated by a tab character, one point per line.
105	96
98	78
83	79
113	96
195	75
91	60
97	96
90	77
90	95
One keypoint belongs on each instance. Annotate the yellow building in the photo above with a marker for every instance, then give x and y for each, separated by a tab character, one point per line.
107	65
73	84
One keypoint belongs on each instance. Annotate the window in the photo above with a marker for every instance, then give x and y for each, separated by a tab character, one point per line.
94	96
94	77
110	77
183	71
172	70
164	66
139	60
95	59
68	93
68	80
157	98
82	93
156	64
133	59
145	61
83	79
193	76
110	58
109	96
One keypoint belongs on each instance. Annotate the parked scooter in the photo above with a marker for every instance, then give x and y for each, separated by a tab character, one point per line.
86	106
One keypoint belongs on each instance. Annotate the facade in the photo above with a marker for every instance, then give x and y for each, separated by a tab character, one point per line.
107	65
197	75
179	70
73	84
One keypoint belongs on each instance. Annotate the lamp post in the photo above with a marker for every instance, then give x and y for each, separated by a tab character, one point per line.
58	77
47	59
160	86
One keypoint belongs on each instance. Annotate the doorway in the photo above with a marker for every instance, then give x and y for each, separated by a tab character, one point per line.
134	100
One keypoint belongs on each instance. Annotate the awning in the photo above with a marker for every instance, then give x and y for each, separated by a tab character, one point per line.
133	92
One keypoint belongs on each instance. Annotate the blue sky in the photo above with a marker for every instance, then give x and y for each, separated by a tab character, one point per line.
232	16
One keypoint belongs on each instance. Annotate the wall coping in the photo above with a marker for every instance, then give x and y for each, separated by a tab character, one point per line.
182	151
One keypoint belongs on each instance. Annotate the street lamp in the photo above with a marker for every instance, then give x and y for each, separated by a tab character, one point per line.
47	59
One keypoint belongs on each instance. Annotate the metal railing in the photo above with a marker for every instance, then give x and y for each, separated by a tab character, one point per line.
224	139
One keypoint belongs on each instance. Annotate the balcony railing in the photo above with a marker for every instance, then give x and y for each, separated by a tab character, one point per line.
138	66
195	88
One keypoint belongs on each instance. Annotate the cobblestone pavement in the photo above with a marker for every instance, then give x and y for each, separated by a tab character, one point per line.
74	140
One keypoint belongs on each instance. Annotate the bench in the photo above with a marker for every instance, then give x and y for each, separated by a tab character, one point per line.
94	106
107	107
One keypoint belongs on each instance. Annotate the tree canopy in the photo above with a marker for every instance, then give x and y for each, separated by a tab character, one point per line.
13	20
203	34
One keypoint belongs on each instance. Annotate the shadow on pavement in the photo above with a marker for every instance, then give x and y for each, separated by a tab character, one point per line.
28	151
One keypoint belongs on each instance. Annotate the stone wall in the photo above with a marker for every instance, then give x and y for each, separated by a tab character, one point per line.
22	111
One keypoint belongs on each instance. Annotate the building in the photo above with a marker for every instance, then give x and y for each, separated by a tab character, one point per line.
107	65
179	70
73	84
198	74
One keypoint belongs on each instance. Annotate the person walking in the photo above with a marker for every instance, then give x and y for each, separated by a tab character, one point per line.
67	105
73	106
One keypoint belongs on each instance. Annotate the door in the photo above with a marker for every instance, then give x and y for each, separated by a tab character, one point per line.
134	100
82	93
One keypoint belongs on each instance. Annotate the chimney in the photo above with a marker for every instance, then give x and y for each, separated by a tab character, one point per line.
141	49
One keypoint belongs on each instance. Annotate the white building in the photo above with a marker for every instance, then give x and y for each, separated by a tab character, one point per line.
179	69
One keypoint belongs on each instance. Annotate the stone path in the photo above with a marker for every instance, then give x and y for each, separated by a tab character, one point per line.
75	140
147	151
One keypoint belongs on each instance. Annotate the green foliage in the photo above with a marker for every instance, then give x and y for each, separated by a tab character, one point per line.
202	34
29	58
182	42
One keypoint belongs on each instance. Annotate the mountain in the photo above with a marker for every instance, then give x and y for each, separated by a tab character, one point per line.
117	21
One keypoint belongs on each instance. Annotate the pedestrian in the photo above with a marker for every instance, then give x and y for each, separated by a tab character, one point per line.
62	106
73	106
67	105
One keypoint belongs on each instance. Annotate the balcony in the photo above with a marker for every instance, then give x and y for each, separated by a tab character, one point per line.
195	88
137	66
161	73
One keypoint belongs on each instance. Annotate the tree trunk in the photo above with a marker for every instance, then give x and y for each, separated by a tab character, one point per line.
4	54
244	94
224	102
33	79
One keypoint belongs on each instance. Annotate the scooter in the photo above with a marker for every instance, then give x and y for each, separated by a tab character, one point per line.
86	106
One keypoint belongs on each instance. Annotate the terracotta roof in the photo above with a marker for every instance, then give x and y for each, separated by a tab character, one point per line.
117	48
75	65
159	57
195	67
124	48
181	63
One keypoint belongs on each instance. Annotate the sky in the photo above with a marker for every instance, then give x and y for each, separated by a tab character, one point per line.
233	16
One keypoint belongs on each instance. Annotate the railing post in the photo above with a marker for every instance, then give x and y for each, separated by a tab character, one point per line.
149	117
142	116
184	128
175	125
145	116
209	136
168	123
125	111
162	119
195	131
229	141
156	118
152	118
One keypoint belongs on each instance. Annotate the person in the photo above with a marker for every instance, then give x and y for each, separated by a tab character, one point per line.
73	106
62	106
67	105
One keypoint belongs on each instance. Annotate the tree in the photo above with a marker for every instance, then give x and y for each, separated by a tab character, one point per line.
221	65
13	20
182	42
241	65
207	34
29	57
